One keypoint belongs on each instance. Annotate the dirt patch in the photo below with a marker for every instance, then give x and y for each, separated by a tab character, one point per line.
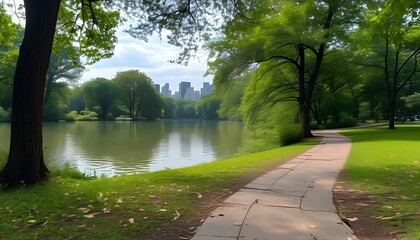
356	209
186	227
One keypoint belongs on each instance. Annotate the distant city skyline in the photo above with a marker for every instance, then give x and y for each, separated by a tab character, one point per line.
185	90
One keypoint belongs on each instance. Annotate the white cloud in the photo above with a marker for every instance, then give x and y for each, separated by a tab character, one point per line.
152	58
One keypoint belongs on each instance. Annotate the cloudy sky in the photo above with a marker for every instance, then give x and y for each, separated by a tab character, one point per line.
152	58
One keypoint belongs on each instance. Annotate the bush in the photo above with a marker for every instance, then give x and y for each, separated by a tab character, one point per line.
68	171
71	116
289	134
87	116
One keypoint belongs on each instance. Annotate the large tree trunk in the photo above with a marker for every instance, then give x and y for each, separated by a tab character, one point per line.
305	120
26	162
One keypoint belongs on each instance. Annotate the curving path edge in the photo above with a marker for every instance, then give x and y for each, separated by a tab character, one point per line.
292	202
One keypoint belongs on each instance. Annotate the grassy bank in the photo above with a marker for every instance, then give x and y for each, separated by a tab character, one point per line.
386	163
130	207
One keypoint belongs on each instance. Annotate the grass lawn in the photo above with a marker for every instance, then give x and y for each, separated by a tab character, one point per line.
386	163
130	207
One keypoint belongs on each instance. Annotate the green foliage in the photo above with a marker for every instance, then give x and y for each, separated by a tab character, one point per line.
8	31
91	25
67	171
186	109
100	95
231	96
170	108
138	95
207	107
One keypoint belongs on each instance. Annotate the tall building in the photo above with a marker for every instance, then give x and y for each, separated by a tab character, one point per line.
207	88
183	88
191	94
157	87
165	90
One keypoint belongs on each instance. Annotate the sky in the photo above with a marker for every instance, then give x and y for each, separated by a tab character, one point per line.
152	58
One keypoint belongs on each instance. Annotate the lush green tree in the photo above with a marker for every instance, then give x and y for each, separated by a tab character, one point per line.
288	37
26	162
395	26
207	107
170	108
186	109
231	93
77	100
151	105
337	90
101	93
132	83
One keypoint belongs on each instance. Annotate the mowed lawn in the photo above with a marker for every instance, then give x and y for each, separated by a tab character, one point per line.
386	163
131	207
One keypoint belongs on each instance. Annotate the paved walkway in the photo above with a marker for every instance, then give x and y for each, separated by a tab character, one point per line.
292	202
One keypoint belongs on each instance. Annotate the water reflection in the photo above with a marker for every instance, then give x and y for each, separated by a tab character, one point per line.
115	148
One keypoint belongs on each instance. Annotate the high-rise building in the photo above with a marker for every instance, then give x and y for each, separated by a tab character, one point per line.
165	90
191	94
157	87
183	88
207	88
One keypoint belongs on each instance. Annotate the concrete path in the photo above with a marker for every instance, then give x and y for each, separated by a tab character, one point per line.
292	202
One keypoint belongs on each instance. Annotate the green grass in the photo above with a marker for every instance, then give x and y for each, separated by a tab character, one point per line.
126	207
386	163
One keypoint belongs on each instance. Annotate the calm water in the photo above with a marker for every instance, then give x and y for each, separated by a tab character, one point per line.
115	148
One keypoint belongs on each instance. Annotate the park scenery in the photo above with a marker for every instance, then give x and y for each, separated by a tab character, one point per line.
303	124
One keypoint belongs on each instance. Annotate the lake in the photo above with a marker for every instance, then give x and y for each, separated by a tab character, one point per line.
124	147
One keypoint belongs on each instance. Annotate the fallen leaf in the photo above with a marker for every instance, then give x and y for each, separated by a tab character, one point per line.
162	210
100	196
351	219
82	226
45	223
89	216
363	204
387	207
32	221
84	210
177	215
131	220
199	195
66	194
312	226
119	200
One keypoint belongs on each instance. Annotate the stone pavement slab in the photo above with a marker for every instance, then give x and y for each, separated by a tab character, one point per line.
294	201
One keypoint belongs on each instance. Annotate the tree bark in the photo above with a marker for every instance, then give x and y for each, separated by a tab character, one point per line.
26	161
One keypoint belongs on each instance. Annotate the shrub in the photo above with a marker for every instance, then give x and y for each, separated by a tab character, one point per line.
67	171
289	134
